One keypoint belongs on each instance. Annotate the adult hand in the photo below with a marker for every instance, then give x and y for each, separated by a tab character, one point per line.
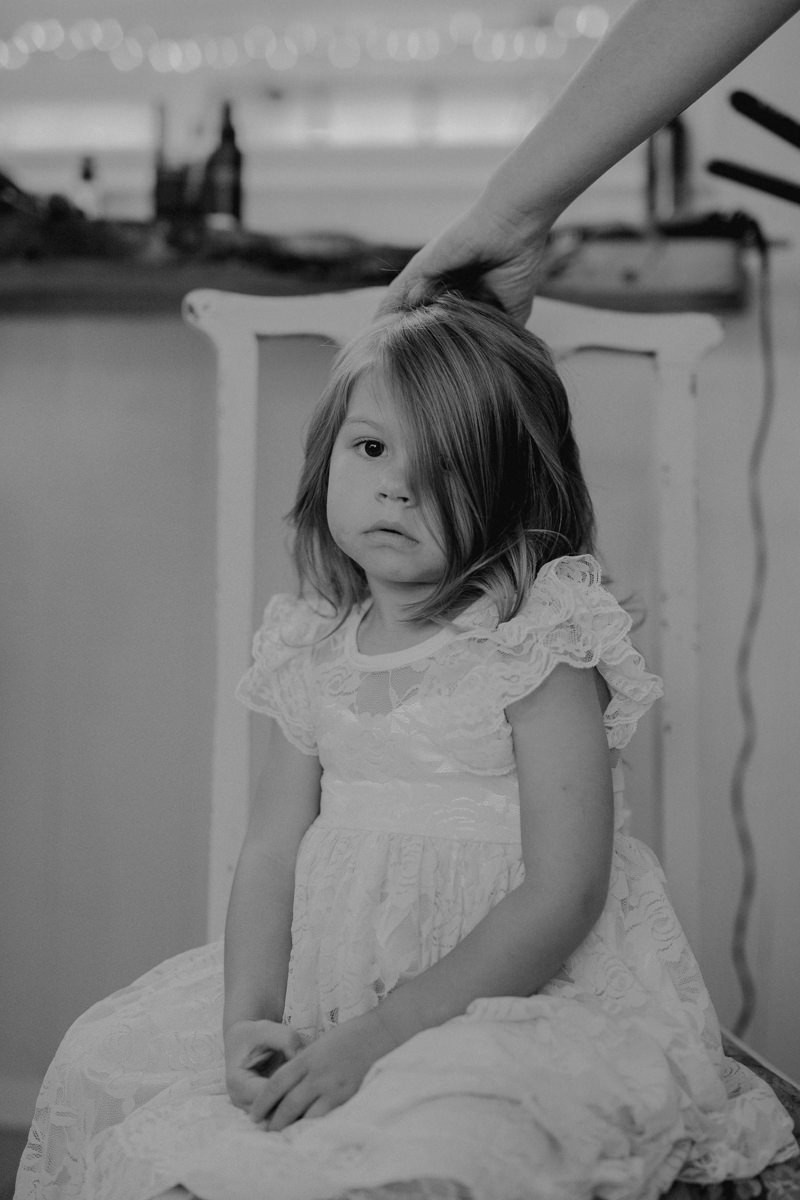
504	254
654	62
248	1047
323	1075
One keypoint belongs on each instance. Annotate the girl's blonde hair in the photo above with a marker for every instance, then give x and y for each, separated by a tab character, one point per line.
491	447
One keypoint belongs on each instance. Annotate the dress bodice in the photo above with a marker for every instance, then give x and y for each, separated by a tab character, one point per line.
441	706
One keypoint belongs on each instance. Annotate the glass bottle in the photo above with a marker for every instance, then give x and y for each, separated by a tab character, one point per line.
667	167
222	187
87	198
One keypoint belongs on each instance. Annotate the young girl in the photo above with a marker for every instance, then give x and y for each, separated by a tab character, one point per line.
444	957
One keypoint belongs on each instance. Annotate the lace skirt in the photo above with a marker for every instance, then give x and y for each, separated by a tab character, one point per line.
612	1079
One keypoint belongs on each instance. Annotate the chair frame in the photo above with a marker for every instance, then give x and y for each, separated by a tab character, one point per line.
675	342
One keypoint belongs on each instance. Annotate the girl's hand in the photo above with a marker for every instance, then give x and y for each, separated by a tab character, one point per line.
323	1075
249	1048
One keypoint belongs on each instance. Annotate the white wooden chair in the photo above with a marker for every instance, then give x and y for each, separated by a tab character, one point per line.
673	346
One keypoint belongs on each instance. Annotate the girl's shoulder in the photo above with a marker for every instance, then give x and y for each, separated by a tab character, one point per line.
569	591
291	627
569	617
565	590
280	681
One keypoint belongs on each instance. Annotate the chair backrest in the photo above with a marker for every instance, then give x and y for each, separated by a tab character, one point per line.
674	344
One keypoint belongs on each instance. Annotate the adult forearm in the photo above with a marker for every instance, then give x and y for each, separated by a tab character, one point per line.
258	938
658	58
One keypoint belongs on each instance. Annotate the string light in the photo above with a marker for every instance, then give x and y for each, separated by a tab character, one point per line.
86	35
592	21
29	37
128	55
427	45
496	46
12	55
343	48
530	42
111	36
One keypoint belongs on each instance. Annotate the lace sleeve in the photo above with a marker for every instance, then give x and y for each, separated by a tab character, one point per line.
279	683
571	618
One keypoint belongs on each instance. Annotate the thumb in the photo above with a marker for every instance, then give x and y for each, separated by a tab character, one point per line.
294	1043
282	1038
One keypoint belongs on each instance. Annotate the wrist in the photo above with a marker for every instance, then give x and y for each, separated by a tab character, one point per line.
248	1014
233	1031
400	1018
518	211
382	1031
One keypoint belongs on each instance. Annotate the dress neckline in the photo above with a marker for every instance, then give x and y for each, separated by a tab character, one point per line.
393	658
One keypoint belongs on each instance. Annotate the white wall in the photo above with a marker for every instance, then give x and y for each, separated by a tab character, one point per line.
106	657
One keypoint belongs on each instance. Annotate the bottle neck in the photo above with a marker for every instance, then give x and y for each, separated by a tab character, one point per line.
227	129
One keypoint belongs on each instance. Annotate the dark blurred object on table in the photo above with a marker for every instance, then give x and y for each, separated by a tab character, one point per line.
689	263
50	227
774	121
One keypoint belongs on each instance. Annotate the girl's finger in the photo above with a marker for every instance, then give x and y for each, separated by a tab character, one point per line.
273	1091
319	1108
243	1090
294	1043
294	1105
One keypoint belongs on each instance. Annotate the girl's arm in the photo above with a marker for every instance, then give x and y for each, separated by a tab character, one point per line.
258	926
567	818
566	806
657	59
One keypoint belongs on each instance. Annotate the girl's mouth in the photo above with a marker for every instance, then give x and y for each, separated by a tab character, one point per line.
390	530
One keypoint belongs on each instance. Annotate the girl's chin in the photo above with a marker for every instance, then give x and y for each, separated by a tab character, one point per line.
411	589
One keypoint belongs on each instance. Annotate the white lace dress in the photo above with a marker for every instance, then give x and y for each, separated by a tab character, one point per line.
610	1082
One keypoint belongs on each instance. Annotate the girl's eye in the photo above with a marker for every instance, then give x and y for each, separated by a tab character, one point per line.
371	447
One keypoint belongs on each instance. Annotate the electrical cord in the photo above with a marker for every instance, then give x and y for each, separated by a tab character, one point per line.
753	237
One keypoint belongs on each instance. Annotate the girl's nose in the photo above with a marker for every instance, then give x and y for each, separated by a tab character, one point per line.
393	485
398	491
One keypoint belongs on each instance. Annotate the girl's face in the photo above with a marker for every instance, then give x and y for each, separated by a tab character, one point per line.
373	514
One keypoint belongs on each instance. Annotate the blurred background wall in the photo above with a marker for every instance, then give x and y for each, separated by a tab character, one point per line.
350	120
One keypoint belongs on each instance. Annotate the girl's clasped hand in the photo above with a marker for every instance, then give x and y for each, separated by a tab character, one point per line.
321	1076
253	1050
